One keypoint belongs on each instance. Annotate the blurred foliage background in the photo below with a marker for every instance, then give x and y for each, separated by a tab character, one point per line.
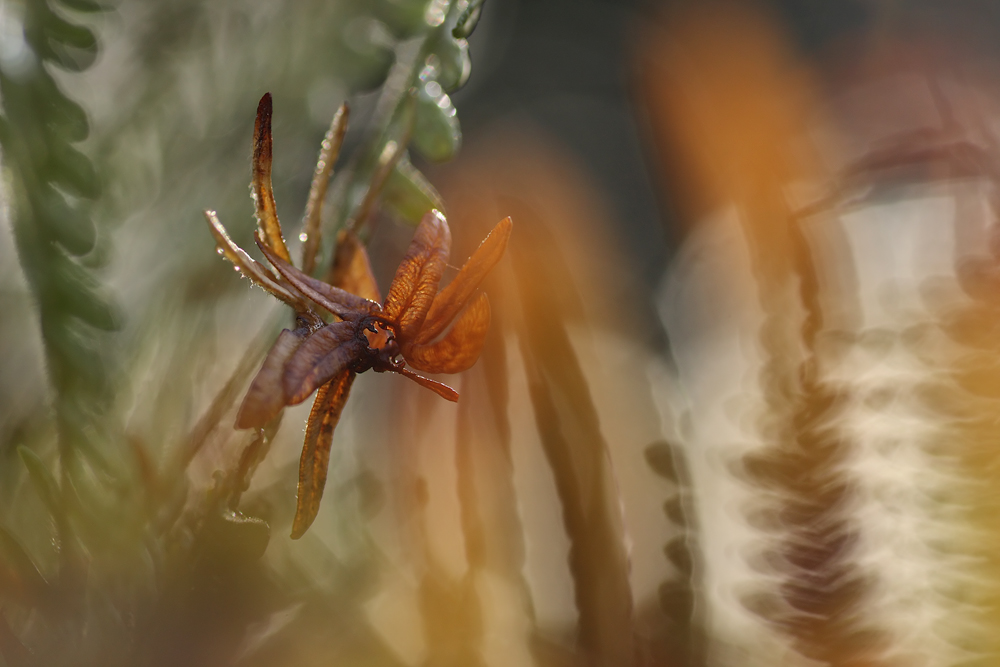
736	406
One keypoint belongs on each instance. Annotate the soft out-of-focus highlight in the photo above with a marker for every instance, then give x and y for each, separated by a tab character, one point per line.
832	322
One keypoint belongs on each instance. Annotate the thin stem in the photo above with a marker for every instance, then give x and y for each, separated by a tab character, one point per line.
329	151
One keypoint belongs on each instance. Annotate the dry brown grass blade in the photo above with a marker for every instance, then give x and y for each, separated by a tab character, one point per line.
450	301
263	195
315	460
329	150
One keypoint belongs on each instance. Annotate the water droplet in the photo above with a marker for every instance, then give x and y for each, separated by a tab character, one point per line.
431	67
237	269
444	103
303	237
436	12
219	250
433	89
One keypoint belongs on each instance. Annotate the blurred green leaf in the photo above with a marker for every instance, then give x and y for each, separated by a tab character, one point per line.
70	34
84	5
436	133
72	170
405	18
60	113
453	62
363	55
76	292
72	354
409	194
71	58
68	226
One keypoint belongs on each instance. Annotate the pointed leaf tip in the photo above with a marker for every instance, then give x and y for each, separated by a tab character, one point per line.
267	214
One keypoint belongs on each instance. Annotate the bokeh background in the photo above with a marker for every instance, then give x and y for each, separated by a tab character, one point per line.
738	402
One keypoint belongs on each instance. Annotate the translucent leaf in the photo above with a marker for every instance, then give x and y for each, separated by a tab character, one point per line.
409	193
454	63
377	165
467	20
